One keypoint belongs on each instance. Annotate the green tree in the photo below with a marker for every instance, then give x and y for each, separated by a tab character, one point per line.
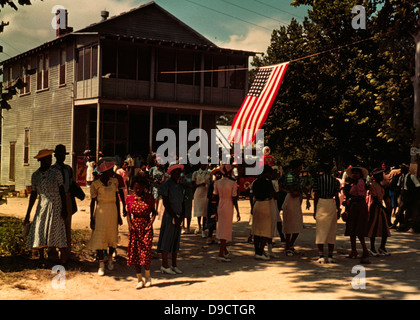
328	104
8	93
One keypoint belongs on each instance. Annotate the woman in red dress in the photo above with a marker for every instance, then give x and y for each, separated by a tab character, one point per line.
140	218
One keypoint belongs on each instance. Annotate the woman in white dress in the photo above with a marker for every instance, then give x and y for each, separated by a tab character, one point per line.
201	180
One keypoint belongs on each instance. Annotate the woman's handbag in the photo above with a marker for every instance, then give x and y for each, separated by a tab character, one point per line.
345	216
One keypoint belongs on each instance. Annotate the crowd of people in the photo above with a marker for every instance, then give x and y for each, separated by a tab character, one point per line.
366	201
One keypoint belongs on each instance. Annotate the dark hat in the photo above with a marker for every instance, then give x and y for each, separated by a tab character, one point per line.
60	149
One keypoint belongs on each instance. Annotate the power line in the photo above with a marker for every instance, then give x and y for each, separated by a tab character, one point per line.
7	54
281	10
290	61
226	14
9	45
240	7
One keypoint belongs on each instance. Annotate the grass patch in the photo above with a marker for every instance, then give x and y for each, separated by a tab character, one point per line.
16	258
12	241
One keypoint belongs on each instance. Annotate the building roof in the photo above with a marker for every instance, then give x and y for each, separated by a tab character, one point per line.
148	23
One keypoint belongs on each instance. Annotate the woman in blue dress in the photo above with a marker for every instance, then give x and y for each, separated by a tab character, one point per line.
172	193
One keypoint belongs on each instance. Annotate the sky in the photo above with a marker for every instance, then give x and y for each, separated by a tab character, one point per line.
234	24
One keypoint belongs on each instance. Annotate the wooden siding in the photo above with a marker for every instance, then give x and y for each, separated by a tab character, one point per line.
48	116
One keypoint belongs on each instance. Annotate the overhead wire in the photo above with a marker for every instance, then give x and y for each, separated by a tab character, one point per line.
252	11
290	61
229	15
281	10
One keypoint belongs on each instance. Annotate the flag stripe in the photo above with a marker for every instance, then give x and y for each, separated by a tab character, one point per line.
262	106
240	118
257	104
237	126
263	116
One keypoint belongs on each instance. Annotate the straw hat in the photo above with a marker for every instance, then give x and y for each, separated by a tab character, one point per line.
105	166
216	170
365	172
174	167
44	153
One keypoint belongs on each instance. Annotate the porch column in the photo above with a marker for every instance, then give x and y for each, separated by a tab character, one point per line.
201	119
202	80
151	130
98	129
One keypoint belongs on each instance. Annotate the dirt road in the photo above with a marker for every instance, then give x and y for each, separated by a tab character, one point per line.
204	278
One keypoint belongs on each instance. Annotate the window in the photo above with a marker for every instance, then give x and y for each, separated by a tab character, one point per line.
12	157
208	65
26	148
114	131
185	62
42	74
127	59
10	77
62	74
237	78
144	58
87	63
26	77
219	78
165	63
109	61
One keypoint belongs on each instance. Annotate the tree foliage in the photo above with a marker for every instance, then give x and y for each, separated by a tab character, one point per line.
8	93
353	103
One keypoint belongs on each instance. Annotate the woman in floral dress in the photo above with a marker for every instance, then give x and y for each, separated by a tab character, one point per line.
47	229
140	218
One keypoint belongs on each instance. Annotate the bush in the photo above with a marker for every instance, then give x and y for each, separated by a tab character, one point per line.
12	241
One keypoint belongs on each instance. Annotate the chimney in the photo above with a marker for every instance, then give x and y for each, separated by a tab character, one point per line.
62	27
104	15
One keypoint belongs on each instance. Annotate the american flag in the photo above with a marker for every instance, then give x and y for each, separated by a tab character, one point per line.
257	104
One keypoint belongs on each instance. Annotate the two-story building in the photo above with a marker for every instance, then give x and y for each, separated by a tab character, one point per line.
111	86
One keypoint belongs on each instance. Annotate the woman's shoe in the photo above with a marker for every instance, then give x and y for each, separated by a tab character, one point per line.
176	270
384	252
321	260
223	259
289	253
331	260
167	270
373	253
140	284
101	270
352	255
261	257
148	282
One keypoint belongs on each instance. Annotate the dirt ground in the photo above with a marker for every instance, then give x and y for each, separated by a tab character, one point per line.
204	278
